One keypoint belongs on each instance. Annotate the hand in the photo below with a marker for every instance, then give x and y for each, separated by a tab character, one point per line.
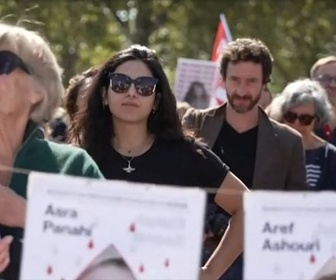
4	252
12	208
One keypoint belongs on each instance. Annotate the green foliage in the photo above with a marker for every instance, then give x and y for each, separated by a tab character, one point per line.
85	33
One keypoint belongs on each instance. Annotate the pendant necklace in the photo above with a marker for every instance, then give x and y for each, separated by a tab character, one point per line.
129	168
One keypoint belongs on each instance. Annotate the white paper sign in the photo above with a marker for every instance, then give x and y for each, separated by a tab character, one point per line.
194	81
88	229
290	235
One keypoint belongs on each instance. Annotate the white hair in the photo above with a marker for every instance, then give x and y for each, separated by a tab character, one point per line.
37	55
300	92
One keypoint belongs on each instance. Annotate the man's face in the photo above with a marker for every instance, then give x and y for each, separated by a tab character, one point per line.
243	84
326	75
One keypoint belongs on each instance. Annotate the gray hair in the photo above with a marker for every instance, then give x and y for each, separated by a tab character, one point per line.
300	92
36	53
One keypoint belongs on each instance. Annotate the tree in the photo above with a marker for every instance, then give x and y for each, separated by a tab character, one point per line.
84	33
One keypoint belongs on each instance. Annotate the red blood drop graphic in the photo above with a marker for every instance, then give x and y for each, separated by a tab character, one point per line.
312	259
132	228
90	245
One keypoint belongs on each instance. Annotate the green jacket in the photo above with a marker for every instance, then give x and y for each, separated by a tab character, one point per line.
39	154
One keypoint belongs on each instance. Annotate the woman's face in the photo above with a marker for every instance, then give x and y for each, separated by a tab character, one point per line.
131	93
19	91
302	118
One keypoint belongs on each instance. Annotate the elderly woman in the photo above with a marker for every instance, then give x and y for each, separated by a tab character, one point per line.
304	106
30	91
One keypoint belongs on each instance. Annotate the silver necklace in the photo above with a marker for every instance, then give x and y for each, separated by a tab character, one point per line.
129	168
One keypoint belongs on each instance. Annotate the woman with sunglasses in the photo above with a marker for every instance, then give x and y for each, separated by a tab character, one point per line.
304	106
132	130
30	91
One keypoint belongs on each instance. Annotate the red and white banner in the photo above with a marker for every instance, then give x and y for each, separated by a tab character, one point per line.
223	36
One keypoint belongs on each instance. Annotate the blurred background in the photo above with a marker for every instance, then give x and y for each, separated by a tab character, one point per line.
85	33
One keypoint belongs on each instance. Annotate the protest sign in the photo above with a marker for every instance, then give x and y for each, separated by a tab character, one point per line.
290	235
79	228
194	80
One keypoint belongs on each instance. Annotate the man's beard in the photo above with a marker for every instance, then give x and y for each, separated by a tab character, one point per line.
244	108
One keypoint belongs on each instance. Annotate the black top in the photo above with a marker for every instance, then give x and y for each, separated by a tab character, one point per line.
179	163
238	151
176	163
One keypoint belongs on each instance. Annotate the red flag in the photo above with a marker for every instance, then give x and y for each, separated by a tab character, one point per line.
223	36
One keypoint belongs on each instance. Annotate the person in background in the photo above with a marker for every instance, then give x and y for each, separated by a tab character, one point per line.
264	154
57	128
182	108
131	128
265	98
324	71
31	90
304	106
76	92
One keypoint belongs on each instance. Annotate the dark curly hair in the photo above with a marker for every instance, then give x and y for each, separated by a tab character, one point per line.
247	49
73	90
93	126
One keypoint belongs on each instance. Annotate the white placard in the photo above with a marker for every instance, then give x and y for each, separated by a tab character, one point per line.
290	235
194	81
77	227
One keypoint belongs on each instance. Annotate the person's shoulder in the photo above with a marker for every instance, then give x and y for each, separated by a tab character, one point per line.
194	112
204	159
330	156
64	150
74	160
195	147
284	131
331	148
187	144
193	118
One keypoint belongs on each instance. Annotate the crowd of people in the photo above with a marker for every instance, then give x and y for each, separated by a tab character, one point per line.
121	121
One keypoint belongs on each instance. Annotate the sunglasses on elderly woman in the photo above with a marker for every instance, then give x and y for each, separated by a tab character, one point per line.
326	79
304	119
9	62
121	83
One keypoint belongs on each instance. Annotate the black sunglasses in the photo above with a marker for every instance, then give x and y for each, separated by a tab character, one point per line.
121	83
326	79
304	119
9	61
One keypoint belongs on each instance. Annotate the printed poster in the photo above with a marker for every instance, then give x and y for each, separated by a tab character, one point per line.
84	229
290	236
194	81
